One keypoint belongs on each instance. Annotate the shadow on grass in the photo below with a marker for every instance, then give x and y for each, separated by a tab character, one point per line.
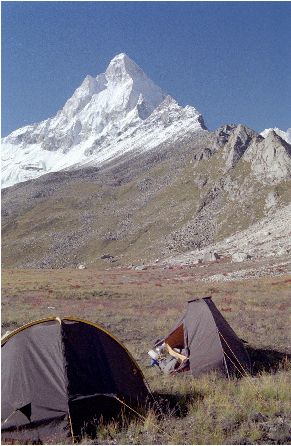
266	360
175	405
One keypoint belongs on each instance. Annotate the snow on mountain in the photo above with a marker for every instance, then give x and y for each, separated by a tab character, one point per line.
120	110
284	135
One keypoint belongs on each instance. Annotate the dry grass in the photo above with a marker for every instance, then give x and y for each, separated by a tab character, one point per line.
211	410
140	306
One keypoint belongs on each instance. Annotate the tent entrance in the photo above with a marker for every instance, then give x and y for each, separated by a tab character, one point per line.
87	413
176	339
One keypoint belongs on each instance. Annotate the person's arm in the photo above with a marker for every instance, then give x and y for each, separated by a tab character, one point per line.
176	354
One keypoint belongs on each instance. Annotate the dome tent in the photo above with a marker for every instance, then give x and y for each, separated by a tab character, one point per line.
59	375
208	341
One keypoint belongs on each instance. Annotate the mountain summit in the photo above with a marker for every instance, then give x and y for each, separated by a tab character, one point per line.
118	111
122	67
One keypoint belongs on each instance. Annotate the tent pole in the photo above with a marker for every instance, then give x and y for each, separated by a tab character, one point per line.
9	416
71	426
225	365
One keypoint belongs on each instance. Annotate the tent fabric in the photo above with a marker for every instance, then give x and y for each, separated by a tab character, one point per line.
58	375
209	341
235	354
205	350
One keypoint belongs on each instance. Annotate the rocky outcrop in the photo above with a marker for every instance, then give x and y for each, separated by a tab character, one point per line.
270	158
238	141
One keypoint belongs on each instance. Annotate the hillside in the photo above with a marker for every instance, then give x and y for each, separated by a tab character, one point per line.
141	207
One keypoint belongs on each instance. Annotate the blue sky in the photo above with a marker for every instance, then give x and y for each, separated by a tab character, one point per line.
231	60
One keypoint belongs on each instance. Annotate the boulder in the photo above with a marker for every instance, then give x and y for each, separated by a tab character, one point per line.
106	257
140	267
211	256
240	257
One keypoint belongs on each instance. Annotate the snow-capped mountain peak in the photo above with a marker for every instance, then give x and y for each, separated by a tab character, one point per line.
117	111
121	67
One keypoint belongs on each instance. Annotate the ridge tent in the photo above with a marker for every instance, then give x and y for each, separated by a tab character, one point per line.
59	375
207	340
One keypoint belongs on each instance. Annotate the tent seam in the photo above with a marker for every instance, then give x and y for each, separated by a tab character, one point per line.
66	379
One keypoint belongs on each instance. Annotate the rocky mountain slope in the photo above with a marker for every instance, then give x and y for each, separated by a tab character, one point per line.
143	206
267	238
120	110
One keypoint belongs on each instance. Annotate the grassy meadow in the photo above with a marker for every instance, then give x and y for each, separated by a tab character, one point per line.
140	306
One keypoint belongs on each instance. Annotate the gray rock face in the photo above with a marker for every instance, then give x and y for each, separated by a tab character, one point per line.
239	140
223	134
270	158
